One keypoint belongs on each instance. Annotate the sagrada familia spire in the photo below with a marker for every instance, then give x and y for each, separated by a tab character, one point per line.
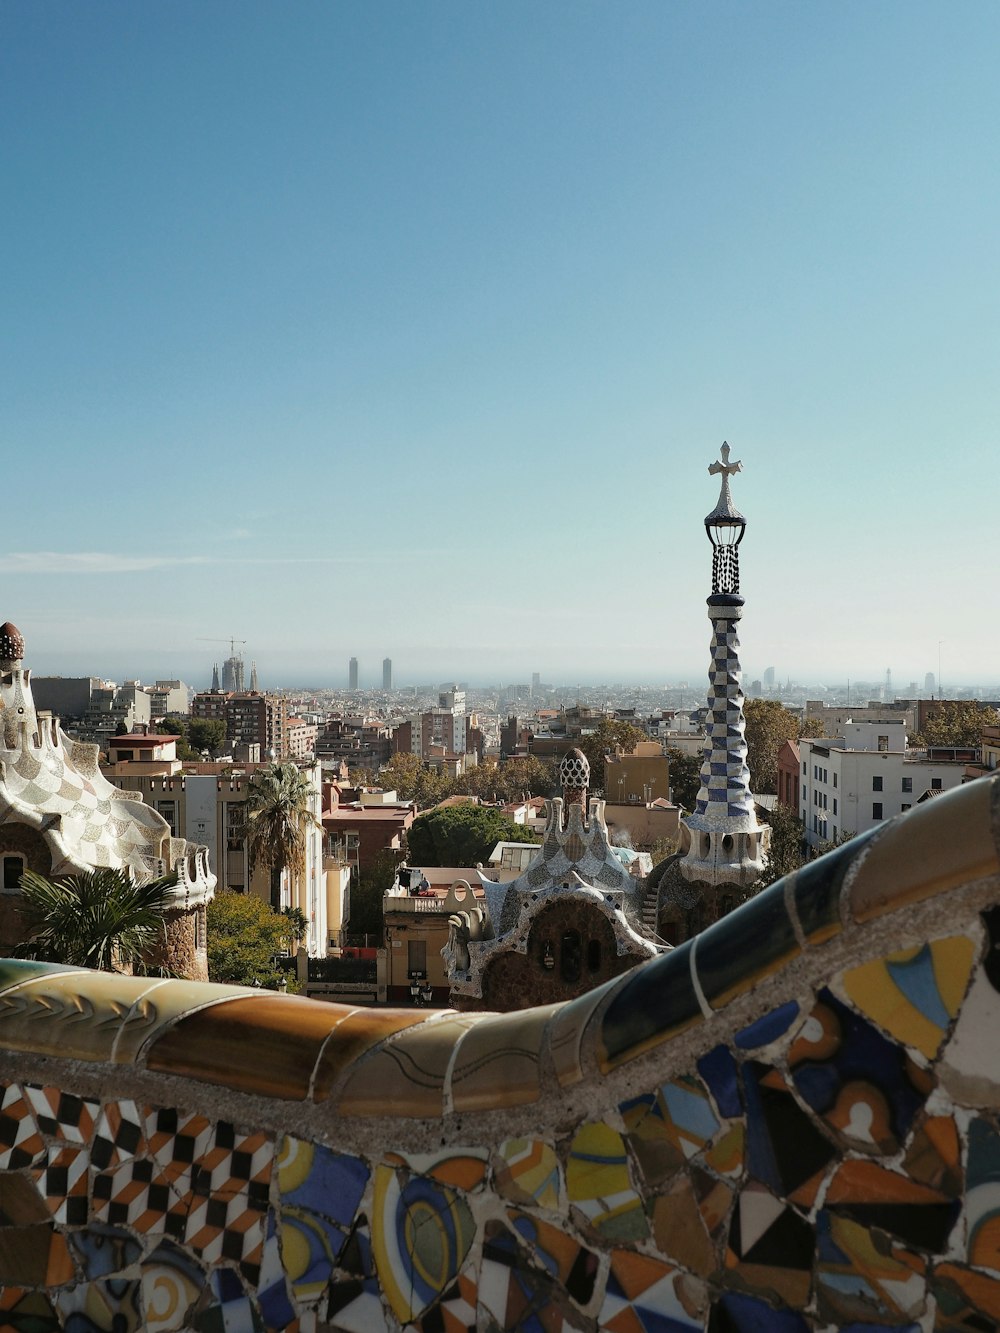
722	841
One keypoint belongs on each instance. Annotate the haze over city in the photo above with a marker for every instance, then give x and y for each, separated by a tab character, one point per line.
412	330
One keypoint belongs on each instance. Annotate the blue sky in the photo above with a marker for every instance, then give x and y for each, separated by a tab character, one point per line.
411	329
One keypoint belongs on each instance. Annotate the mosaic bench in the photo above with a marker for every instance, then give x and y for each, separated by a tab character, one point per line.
789	1123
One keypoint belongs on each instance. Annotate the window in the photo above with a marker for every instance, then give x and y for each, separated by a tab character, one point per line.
876	809
570	956
835	805
805	771
877	782
904	807
835	779
835	832
883	744
935	784
907	784
416	958
168	810
13	869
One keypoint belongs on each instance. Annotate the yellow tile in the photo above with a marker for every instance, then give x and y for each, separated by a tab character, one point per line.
944	843
79	1015
408	1074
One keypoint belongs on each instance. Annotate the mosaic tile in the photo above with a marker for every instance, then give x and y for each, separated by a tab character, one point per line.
688	1221
768	1028
272	1289
645	1294
102	1251
356	1035
863	1085
786	1150
172	1283
286	1034
408	1074
497	1061
231	1310
107	1306
967	1063
20	1202
528	1172
563	1257
934	1156
63	1181
965	1299
136	1194
598	1184
456	1311
914	859
72	1014
654	1003
719	1072
157	1009
319	1191
817	888
34	1256
24	1311
356	1307
21	1143
771	1247
734	954
665	1130
421	1234
982	1207
861	1277
118	1134
737	1313
915	993
568	1027
876	1197
464	1170
515	1295
61	1115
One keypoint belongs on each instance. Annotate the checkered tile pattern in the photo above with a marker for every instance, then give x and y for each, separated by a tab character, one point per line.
63	1183
725	777
136	1194
118	1135
62	1116
20	1142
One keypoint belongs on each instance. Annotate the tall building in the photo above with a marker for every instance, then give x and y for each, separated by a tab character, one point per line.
352	674
929	684
251	719
232	675
536	681
721	840
387	673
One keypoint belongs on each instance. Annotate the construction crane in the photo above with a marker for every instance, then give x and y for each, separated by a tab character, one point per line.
231	641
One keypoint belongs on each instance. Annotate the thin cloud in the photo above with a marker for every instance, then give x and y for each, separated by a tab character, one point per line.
110	562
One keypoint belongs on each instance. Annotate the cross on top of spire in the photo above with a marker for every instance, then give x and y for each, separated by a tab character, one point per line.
725	511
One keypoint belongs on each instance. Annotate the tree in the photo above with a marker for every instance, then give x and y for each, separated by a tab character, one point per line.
175	725
610	736
685	777
461	835
206	733
367	914
787	850
245	935
296	927
956	722
768	725
101	918
278	815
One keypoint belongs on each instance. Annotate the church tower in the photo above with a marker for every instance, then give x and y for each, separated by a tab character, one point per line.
722	841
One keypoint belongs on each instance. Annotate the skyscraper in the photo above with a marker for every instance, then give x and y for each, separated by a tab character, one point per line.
387	673
352	674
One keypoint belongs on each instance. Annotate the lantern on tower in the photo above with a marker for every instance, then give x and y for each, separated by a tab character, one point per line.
725	527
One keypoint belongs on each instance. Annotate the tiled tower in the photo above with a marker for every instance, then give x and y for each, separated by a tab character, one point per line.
722	840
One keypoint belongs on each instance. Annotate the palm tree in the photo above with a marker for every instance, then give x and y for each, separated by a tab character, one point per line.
101	918
278	816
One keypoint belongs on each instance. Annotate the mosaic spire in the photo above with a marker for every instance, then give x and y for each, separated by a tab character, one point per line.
722	840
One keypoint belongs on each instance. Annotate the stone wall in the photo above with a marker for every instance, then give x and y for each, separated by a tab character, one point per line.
789	1123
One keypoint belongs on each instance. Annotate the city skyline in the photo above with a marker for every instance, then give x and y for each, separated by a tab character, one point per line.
513	274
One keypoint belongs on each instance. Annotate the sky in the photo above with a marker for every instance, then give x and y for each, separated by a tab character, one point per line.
410	329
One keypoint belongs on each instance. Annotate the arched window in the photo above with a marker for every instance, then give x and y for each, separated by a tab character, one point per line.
13	869
570	956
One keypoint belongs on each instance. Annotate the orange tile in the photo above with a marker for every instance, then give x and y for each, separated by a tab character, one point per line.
944	843
265	1044
867	1182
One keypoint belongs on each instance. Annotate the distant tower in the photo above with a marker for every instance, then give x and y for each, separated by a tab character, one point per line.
888	685
215	678
254	683
721	840
387	673
768	679
536	683
929	684
352	674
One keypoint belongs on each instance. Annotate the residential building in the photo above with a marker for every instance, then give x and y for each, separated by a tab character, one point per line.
66	697
251	719
789	774
375	822
114	708
168	697
301	738
852	782
361	742
834	716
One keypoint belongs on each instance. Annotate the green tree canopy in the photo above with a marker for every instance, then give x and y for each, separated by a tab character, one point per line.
206	733
610	736
685	777
768	725
367	892
101	919
175	725
787	851
956	722
461	835
244	936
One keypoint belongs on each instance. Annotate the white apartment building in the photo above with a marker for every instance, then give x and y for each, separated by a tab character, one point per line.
855	780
